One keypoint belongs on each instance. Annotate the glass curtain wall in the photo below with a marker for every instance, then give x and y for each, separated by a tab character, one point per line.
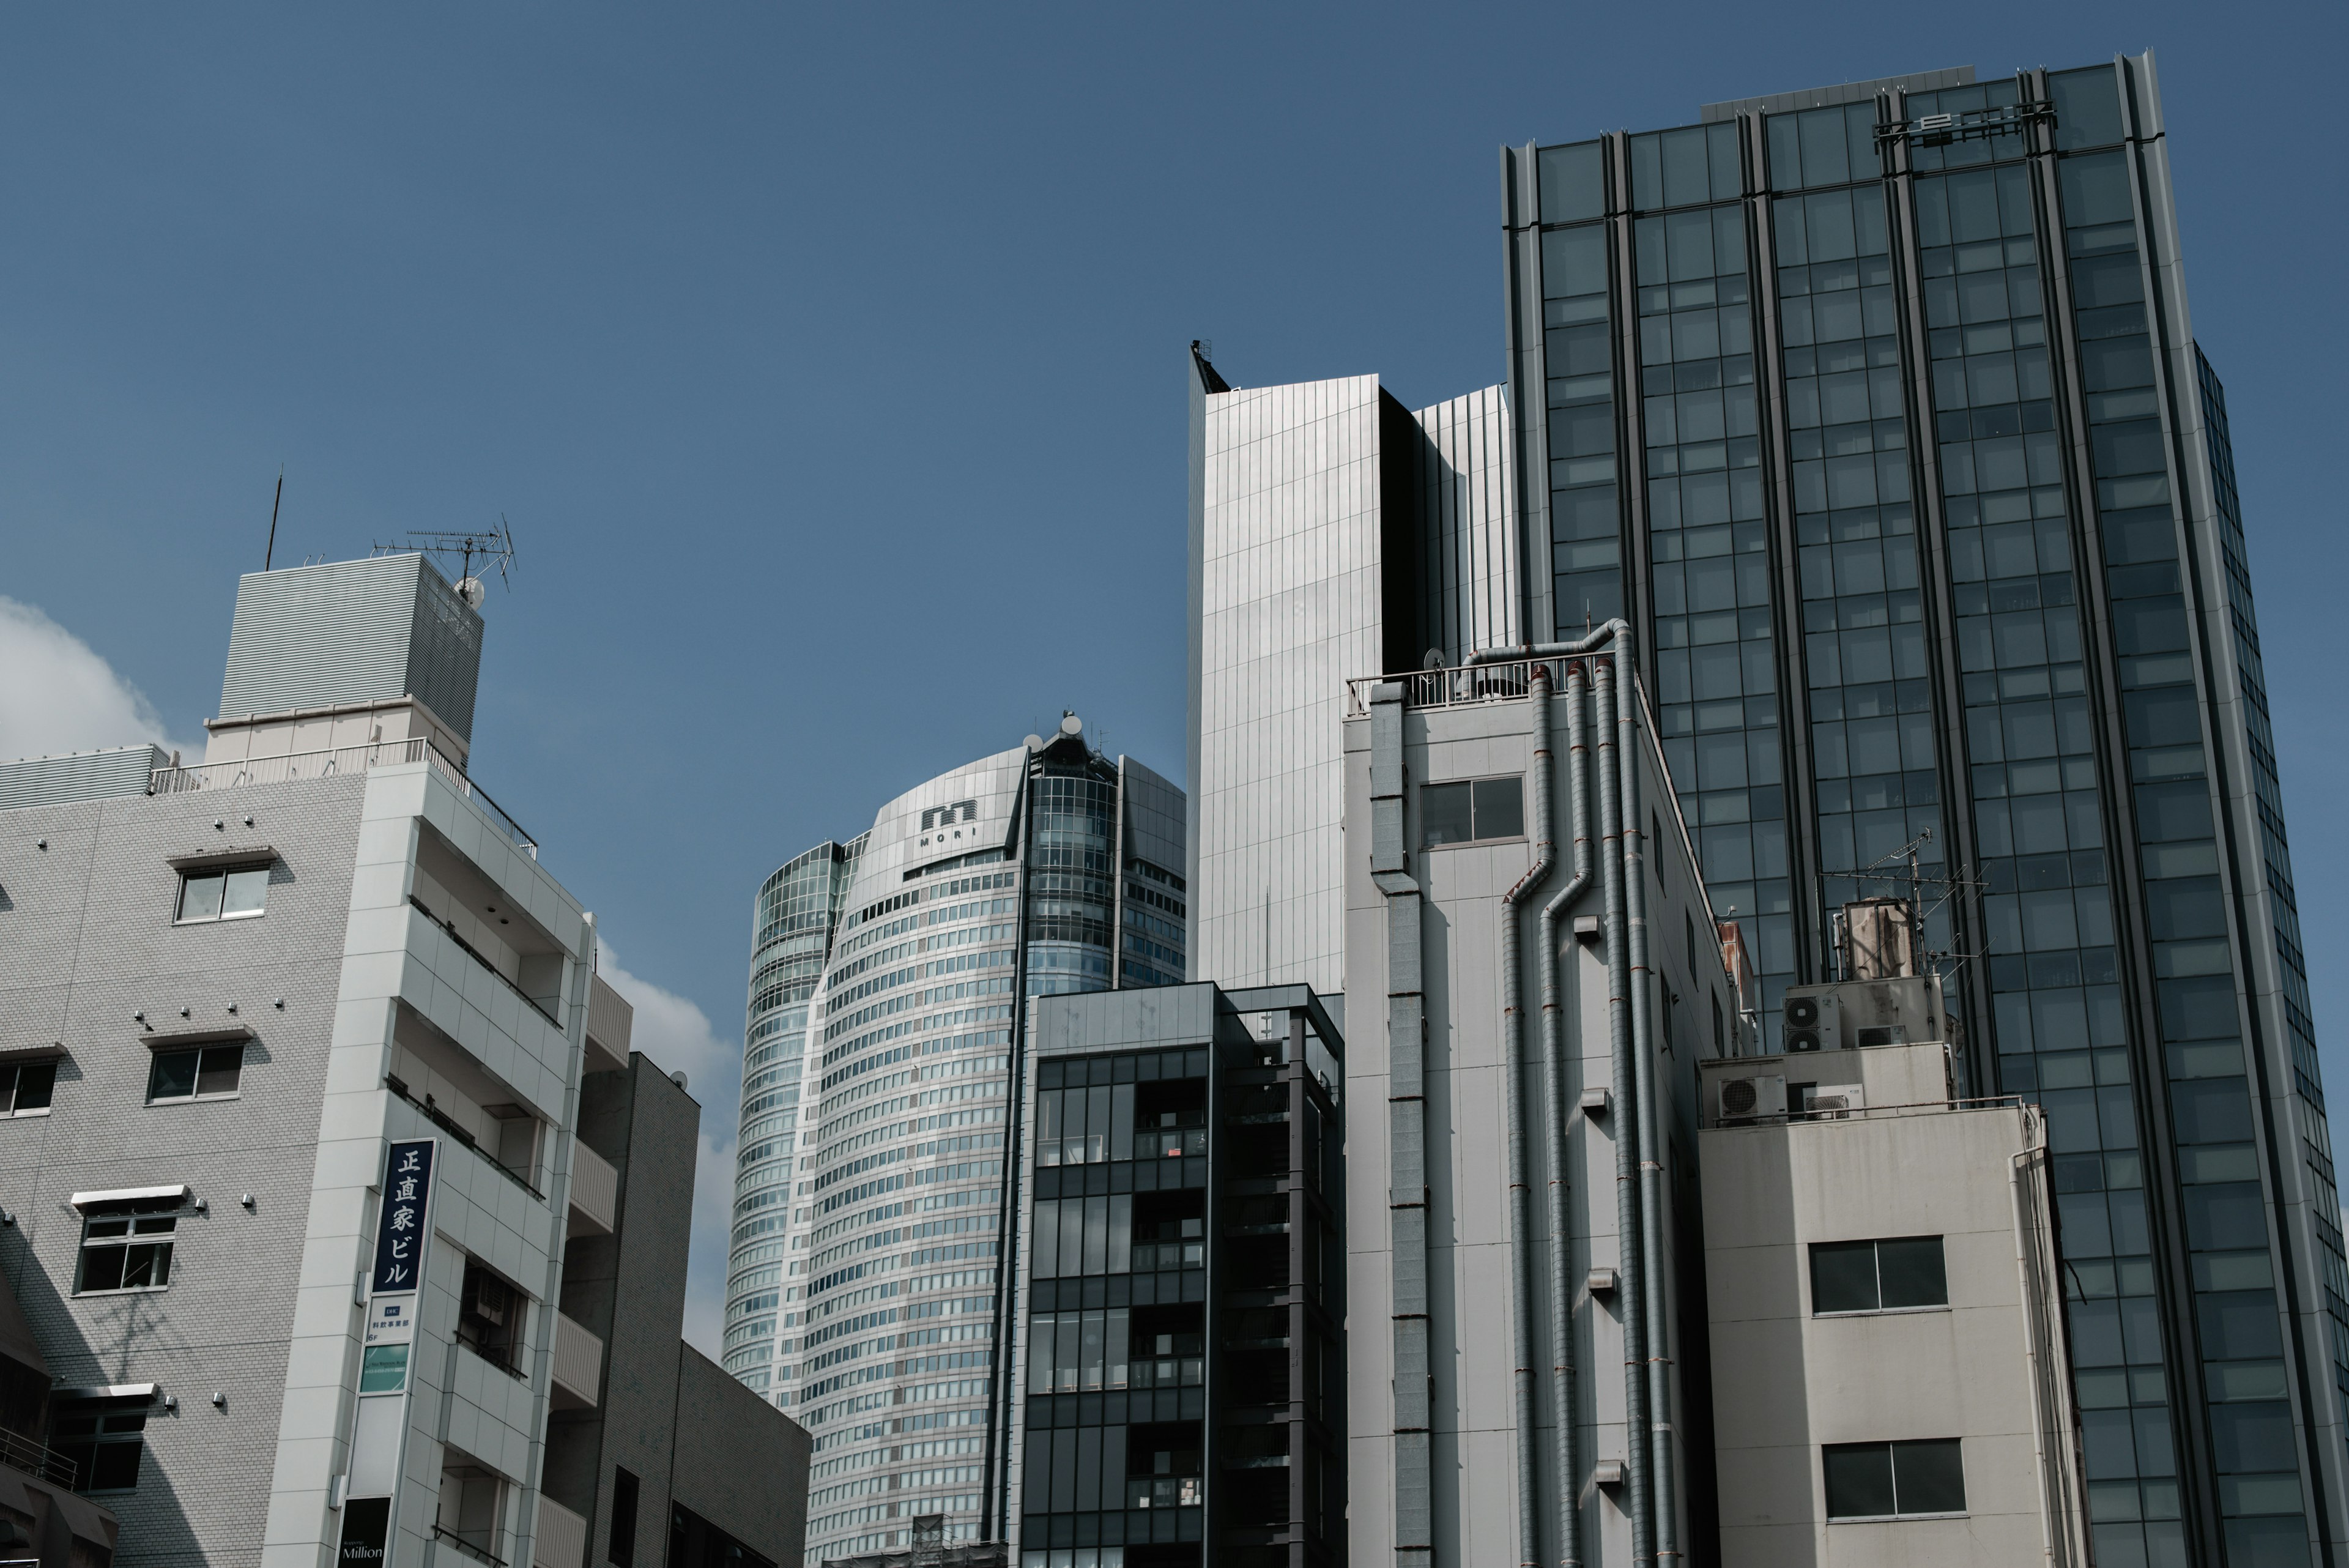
796	914
1716	684
1072	869
1579	339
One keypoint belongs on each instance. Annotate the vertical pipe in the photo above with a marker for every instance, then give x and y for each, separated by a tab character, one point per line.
1512	1041
1562	1236
1627	1095
1658	1328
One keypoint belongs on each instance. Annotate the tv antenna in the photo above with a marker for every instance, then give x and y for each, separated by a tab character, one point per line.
270	554
489	546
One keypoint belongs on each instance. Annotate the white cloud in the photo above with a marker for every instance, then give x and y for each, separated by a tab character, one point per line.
677	1037
57	694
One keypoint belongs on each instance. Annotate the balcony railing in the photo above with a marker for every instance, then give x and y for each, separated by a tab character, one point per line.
578	1359
561	1539
473	1548
296	765
19	1452
594	1191
449	929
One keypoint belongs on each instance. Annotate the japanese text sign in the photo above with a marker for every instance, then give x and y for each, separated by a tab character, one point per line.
402	1227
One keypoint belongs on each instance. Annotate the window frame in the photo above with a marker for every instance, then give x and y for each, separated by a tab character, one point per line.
221	872
1875	1245
139	1218
12	1084
101	1412
201	1051
1475	836
1891	1447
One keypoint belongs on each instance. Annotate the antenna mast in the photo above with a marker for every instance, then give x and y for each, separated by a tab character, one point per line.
271	554
492	546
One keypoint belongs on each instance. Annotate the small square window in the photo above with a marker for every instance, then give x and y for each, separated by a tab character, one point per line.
202	1073
25	1088
234	893
128	1248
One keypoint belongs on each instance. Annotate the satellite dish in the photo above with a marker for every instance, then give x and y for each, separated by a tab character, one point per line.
473	591
1035	743
1072	725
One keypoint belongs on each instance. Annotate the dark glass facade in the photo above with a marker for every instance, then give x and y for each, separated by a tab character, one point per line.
1883	417
1180	1364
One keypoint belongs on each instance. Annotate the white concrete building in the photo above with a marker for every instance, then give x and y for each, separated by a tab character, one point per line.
1890	1382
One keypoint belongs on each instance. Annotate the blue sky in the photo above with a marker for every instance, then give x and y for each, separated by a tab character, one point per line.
827	362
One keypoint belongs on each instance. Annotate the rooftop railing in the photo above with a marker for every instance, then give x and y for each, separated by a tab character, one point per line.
296	765
1460	688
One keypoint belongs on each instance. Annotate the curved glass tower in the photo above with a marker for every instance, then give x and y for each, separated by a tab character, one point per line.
889	982
797	912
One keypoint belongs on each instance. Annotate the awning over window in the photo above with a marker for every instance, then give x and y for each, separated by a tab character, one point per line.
209	859
182	1039
123	1197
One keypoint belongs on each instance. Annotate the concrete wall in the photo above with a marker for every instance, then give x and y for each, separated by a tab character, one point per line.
629	1289
740	1463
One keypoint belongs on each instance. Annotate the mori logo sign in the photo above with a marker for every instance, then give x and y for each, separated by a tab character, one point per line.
939	818
944	815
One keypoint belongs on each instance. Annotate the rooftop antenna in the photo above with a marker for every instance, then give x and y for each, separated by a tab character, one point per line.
271	554
492	546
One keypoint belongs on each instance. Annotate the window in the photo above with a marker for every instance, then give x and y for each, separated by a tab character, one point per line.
25	1088
1893	1480
488	1316
103	1439
128	1247
1878	1276
202	1073
217	893
622	1548
1471	810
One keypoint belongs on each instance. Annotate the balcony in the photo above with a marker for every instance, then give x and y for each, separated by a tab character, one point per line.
296	765
595	1193
21	1453
578	1366
561	1540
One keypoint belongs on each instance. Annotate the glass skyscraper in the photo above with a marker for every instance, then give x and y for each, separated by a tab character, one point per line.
1880	412
890	978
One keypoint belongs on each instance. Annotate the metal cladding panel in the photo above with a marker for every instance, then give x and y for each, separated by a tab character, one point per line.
1290	604
352	631
1155	812
1467	536
444	652
80	775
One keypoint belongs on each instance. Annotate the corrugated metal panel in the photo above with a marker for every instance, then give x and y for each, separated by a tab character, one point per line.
444	652
80	775
352	631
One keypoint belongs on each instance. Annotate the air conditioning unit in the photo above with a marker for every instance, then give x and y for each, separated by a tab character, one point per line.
1833	1102
1748	1099
1859	1013
1902	1011
1813	1016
